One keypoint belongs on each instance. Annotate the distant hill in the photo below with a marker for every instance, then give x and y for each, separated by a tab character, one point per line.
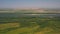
31	11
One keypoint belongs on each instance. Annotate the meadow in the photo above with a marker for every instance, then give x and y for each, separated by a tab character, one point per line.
29	24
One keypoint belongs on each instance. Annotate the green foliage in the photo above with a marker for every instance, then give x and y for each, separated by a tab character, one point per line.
32	25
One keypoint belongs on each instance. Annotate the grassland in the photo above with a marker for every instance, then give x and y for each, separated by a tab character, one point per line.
30	25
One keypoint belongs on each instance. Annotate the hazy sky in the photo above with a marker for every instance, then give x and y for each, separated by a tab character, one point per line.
29	3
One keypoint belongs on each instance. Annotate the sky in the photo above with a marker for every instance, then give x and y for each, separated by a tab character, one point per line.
29	3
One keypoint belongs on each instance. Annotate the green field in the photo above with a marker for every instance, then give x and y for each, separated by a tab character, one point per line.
30	25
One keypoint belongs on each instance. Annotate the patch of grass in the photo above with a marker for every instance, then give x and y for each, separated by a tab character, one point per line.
23	30
9	25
